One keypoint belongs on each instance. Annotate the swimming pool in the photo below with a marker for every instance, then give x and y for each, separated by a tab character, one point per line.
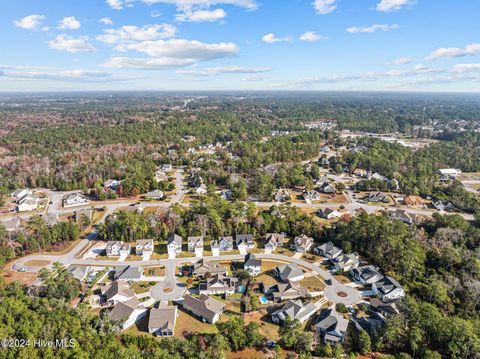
263	300
241	289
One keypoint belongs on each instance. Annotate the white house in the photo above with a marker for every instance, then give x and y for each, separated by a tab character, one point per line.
252	265
21	193
74	199
289	272
388	289
27	203
167	167
195	244
162	320
117	292
201	190
302	244
144	247
118	248
127	313
174	245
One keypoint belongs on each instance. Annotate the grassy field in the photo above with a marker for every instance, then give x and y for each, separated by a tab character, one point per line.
158	271
313	283
268	265
268	329
188	323
141	287
37	263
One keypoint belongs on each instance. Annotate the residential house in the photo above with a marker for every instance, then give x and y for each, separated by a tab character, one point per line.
27	203
80	272
402	215
154	195
83	213
290	272
331	327
127	313
360	172
450	173
218	284
274	240
328	250
111	184
443	205
415	202
325	149
366	274
388	289
326	188
226	194
144	246
215	248
383	310
244	241
379	177
74	199
201	190
21	193
205	307
116	292
174	244
329	213
252	265
302	244
195	244
162	320
160	176
295	310
377	197
128	273
282	195
118	248
202	267
285	291
310	195
345	262
225	244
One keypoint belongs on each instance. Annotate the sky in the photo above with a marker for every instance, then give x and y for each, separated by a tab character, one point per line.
352	45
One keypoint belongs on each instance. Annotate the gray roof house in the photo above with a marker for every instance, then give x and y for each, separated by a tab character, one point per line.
244	240
127	313
161	321
252	264
346	262
331	327
402	215
203	267
327	250
310	195
366	274
225	244
274	240
174	244
284	291
294	309
144	246
80	272
388	289
302	244
155	194
205	307
117	291
128	273
195	243
218	284
288	272
118	248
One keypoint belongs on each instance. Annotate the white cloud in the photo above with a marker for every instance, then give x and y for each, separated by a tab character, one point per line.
181	48
442	52
119	4
171	53
69	75
146	63
131	33
201	15
311	36
466	67
324	6
69	23
271	38
371	28
189	4
30	22
72	44
401	61
19	67
214	71
392	5
105	21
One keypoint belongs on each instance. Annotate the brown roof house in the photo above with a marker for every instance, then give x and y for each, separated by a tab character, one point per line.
218	284
205	307
162	320
127	313
117	292
203	267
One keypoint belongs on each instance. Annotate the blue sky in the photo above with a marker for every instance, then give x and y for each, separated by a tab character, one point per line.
392	45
